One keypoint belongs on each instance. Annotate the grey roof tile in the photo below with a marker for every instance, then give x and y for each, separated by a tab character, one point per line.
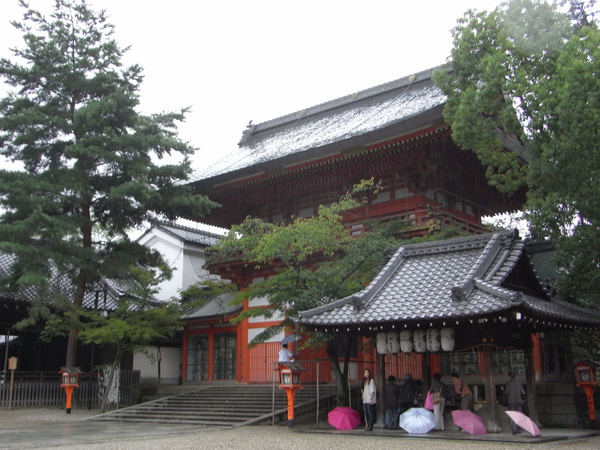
336	121
61	285
217	307
202	235
458	278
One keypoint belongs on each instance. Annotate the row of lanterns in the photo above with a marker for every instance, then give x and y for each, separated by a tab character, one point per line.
419	341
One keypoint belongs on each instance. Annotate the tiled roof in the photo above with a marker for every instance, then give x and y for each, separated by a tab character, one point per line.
218	307
361	114
199	234
61	285
455	279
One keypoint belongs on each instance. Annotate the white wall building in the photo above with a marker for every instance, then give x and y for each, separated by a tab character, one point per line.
182	245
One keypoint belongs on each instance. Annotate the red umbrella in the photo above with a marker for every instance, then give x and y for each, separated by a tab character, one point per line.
521	420
343	418
469	422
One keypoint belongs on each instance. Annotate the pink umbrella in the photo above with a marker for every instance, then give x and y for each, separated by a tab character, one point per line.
469	422
343	418
521	420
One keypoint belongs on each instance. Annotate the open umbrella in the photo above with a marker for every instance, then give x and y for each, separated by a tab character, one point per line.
290	338
417	420
343	418
521	420
469	421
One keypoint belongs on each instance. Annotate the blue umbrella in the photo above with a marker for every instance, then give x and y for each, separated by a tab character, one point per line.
290	338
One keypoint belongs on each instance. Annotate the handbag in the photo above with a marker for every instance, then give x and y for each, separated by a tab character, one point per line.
458	395
429	401
437	397
504	399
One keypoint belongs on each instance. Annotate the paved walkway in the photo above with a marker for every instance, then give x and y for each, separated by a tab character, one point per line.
37	428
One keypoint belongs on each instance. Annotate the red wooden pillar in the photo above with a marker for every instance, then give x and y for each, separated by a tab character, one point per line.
184	354
536	351
243	360
211	353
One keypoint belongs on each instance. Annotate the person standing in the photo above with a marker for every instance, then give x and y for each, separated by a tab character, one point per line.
369	398
514	398
438	408
284	354
392	394
466	396
408	393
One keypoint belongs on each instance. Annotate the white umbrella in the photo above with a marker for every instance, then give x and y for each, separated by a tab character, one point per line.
417	420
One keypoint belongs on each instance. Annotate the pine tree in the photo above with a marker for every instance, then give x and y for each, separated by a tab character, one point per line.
89	161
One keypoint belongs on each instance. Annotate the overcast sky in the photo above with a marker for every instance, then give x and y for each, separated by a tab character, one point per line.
236	61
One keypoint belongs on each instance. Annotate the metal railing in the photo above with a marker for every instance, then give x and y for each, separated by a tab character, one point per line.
322	401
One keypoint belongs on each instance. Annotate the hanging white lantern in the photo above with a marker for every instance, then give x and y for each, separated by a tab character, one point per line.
420	341
393	340
447	338
406	343
382	345
433	340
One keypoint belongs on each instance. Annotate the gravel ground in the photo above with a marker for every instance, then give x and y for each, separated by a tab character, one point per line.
256	437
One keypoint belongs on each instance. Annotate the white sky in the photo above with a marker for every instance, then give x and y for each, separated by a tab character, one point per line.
241	60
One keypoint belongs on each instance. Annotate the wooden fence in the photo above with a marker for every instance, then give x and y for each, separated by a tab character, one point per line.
43	389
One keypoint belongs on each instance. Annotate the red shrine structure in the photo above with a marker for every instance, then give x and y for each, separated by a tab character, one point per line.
394	133
288	166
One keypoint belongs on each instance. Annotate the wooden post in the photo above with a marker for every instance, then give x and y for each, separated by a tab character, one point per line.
490	389
12	366
530	381
10	391
380	380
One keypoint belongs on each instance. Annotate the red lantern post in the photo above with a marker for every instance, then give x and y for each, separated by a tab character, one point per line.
585	373
70	378
289	379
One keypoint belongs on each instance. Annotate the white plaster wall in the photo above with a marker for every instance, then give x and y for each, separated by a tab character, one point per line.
253	332
192	271
170	366
262	301
185	259
171	250
258	319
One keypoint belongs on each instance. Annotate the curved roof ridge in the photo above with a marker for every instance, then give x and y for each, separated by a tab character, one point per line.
515	297
361	298
556	308
448	245
335	304
481	265
344	100
382	278
204	229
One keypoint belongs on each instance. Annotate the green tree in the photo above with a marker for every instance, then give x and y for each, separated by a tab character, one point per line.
530	69
91	166
135	324
316	261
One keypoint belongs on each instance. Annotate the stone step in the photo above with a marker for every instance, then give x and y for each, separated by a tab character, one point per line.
220	406
199	409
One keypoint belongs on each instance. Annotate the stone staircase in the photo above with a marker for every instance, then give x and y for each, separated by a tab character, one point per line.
233	405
